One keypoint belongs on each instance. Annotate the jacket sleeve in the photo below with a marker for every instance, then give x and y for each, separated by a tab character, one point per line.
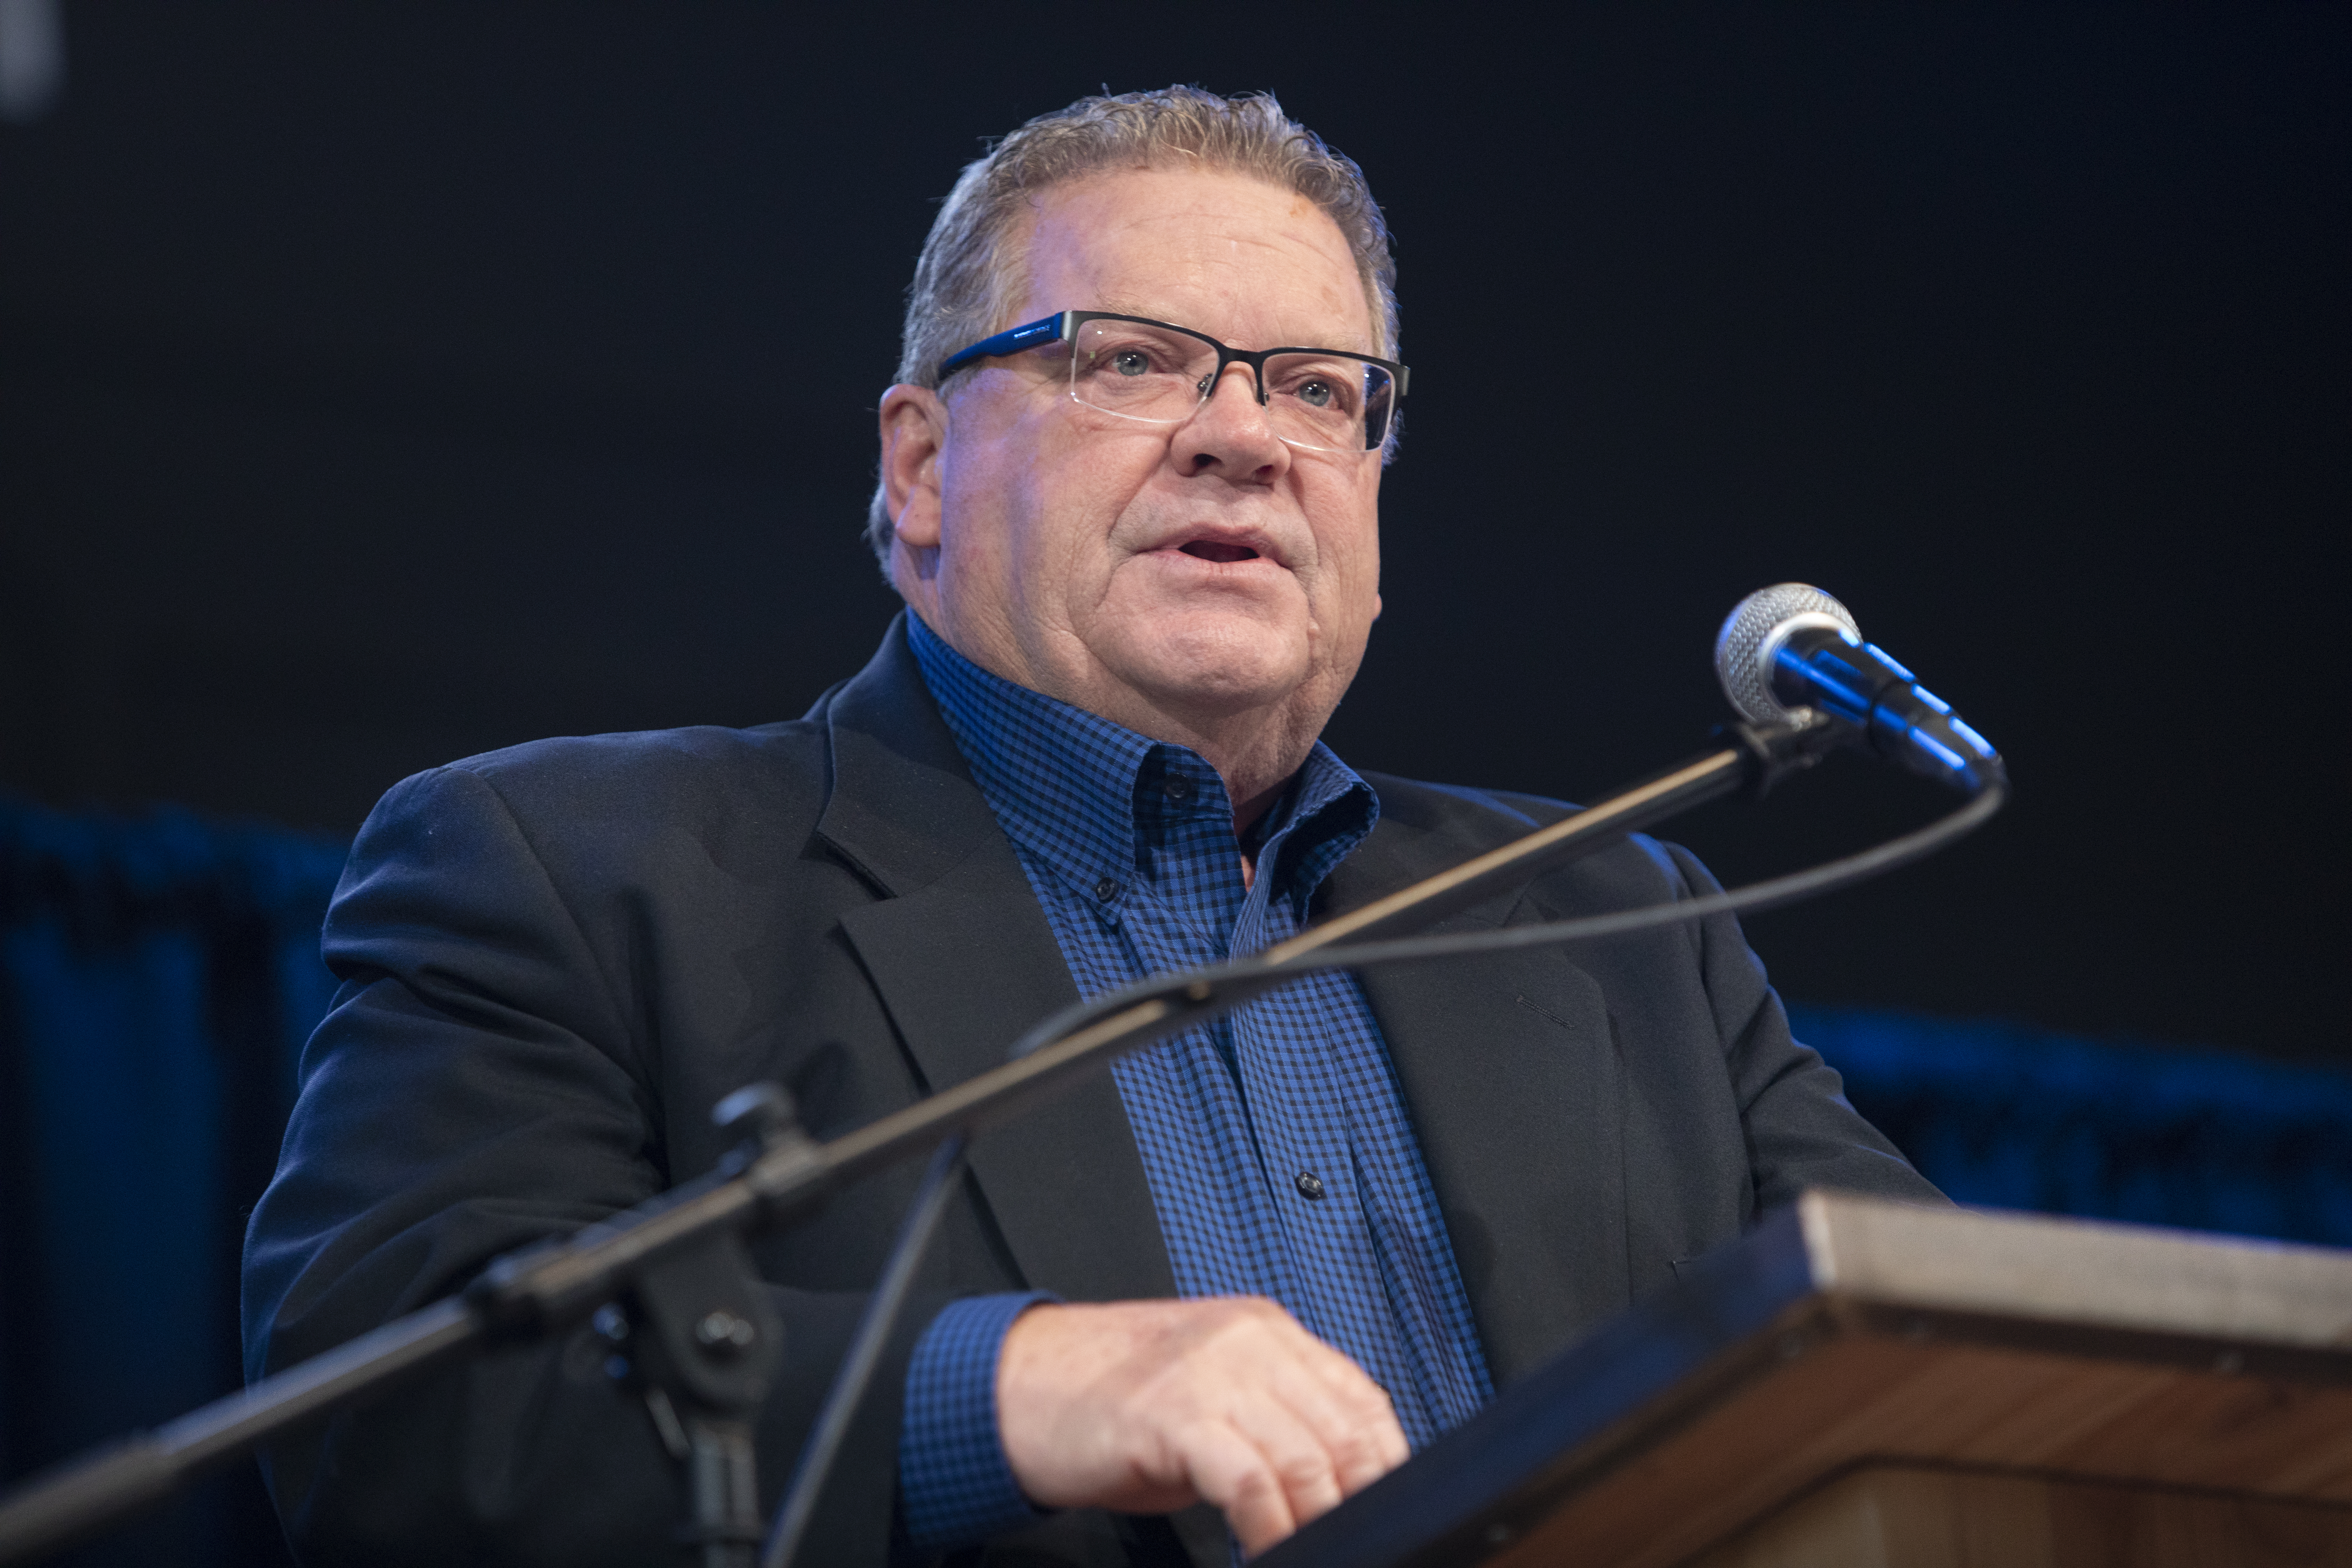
479	1086
1802	1130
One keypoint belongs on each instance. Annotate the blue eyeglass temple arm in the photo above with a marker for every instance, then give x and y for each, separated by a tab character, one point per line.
1051	329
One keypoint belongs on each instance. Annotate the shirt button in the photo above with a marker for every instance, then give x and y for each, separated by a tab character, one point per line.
1106	889
1310	1184
1177	788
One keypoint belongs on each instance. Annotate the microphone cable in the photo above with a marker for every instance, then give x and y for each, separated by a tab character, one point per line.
1829	876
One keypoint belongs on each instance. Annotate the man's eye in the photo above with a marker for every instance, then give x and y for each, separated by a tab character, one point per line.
1324	393
1131	361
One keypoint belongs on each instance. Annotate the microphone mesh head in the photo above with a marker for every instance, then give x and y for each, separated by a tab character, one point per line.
1753	633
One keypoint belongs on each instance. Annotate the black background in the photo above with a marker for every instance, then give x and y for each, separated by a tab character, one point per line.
380	385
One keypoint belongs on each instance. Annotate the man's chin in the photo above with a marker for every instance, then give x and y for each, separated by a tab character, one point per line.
1218	679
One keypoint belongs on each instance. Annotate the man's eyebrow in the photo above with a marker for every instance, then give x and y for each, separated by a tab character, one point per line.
1130	308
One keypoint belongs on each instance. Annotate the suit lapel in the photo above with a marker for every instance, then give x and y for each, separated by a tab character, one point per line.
1508	1065
964	960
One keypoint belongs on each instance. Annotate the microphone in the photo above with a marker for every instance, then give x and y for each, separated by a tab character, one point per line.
1791	654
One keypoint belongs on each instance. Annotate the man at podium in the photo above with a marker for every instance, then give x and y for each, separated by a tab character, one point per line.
1128	491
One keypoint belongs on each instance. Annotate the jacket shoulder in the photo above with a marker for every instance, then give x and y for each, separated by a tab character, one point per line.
597	813
652	776
1437	807
1432	826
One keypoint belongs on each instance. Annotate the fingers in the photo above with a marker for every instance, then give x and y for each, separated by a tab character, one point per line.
1233	1469
1319	1428
1274	1462
1144	1406
1355	1415
1347	1416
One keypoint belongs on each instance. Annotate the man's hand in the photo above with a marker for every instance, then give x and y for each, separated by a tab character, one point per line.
1147	1407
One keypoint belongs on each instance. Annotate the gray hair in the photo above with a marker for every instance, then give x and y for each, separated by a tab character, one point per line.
964	286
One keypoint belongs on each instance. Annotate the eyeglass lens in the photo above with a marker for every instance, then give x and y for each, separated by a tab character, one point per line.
1327	402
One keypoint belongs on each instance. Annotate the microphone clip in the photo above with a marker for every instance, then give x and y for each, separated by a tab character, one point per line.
1775	751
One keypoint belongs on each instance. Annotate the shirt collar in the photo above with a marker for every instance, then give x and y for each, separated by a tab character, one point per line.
1092	798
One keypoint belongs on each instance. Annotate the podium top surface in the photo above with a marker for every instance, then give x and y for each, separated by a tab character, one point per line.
1847	1331
2077	1272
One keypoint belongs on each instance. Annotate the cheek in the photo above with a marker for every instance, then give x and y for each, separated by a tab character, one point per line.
987	485
1080	490
1035	511
1349	539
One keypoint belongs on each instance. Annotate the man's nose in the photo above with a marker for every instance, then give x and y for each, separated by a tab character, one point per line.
1236	380
1230	430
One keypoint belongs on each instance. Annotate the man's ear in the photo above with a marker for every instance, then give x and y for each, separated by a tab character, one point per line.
914	430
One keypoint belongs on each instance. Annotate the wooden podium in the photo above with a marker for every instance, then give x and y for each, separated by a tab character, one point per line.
1864	1385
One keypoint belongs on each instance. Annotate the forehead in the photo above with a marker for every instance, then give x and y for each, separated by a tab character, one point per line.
1242	259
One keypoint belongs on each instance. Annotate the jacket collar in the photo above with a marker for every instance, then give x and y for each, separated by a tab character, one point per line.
900	806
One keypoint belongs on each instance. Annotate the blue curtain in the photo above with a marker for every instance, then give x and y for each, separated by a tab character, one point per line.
157	979
2018	1118
158	975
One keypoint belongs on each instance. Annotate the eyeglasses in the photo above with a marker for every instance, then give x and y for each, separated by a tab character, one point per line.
1325	400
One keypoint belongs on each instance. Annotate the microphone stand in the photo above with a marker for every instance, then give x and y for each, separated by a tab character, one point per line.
701	1334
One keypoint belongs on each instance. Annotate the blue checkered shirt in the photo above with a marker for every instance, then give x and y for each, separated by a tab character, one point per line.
1281	1159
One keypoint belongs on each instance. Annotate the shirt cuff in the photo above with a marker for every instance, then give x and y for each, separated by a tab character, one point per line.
955	1485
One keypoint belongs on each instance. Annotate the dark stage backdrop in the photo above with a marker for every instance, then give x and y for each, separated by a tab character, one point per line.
387	382
381	384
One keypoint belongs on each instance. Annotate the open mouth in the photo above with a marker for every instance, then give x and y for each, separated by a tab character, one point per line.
1210	550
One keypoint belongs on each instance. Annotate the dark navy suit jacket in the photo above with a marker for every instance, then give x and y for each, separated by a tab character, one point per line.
556	959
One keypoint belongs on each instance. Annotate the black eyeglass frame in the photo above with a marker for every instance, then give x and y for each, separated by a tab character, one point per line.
1062	327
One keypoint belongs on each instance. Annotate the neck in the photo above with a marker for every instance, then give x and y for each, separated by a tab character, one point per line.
1256	752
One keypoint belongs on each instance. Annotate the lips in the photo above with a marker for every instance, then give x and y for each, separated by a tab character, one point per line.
1218	551
1221	544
